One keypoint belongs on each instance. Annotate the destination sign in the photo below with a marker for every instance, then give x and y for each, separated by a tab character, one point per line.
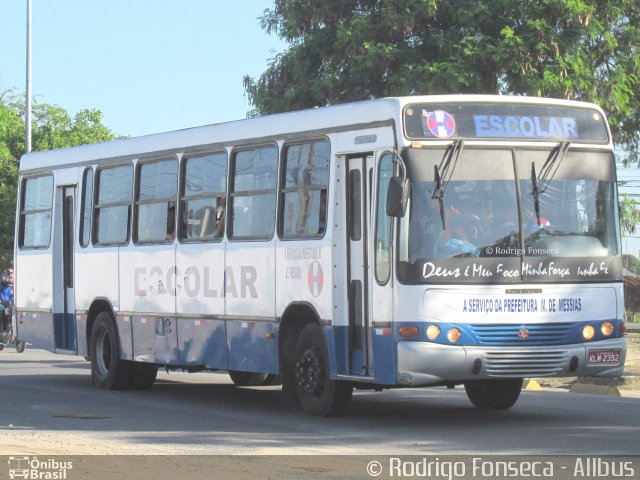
504	121
525	127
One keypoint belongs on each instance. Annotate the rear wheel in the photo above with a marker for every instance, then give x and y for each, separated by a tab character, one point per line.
108	371
20	346
317	393
494	394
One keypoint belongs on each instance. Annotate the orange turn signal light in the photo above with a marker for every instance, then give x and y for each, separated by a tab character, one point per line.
453	335
606	328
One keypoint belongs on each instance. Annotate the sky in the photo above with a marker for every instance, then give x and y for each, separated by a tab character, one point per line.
148	65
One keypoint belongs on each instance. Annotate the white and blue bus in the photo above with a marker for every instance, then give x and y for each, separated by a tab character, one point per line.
401	242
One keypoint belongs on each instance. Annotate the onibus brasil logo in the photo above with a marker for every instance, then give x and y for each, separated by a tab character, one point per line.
35	469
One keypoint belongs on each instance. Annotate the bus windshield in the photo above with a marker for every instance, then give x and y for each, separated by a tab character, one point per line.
503	217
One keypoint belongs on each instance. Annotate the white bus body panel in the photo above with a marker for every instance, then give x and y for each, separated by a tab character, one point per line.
200	279
97	276
148	279
303	274
33	288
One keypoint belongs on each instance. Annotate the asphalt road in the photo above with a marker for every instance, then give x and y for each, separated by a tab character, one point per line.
48	405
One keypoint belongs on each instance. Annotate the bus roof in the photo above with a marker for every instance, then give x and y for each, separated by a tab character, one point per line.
315	120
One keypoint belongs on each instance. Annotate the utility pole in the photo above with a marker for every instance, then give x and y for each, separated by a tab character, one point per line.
27	116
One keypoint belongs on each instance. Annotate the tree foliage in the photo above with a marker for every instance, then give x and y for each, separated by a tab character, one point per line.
346	50
629	214
52	127
631	263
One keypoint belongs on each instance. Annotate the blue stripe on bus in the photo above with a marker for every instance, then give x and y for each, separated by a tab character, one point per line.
509	334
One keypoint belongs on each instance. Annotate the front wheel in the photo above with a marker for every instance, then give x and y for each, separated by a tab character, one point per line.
317	393
108	370
494	394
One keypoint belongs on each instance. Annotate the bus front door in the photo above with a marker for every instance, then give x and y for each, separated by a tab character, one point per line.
358	206
64	324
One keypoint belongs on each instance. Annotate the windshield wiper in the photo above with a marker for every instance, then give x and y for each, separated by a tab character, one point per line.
442	173
539	184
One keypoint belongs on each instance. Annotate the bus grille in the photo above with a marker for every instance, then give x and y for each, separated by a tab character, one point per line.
525	364
512	334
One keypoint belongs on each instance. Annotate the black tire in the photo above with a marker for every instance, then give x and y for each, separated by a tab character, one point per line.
494	394
108	370
144	375
20	346
1	346
250	379
317	393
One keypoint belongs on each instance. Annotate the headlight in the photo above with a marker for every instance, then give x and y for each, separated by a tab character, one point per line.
433	332
588	332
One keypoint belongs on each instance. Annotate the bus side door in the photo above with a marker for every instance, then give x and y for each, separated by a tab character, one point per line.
358	214
64	320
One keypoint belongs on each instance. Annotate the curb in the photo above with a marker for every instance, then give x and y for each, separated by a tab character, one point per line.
595	389
632	327
533	385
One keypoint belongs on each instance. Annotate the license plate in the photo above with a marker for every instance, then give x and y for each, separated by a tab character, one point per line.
604	357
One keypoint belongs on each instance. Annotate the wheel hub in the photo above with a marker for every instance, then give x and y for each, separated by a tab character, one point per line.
103	353
310	372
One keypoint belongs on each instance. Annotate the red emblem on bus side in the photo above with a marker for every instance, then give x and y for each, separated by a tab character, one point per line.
315	277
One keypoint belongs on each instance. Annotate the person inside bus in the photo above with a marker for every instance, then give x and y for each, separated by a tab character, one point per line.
171	222
6	299
425	229
220	213
463	232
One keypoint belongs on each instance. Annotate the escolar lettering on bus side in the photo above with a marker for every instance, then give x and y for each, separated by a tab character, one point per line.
195	281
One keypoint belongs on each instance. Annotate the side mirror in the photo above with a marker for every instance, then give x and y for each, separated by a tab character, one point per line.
397	196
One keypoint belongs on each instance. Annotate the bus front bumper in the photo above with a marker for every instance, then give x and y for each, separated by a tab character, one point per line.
424	363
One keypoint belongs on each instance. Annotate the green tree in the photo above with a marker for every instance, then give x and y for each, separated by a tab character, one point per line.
345	50
629	214
631	263
11	127
53	127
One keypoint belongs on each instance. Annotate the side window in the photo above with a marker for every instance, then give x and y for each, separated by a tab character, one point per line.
112	212
355	205
203	197
36	206
155	207
87	206
253	193
303	200
383	222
